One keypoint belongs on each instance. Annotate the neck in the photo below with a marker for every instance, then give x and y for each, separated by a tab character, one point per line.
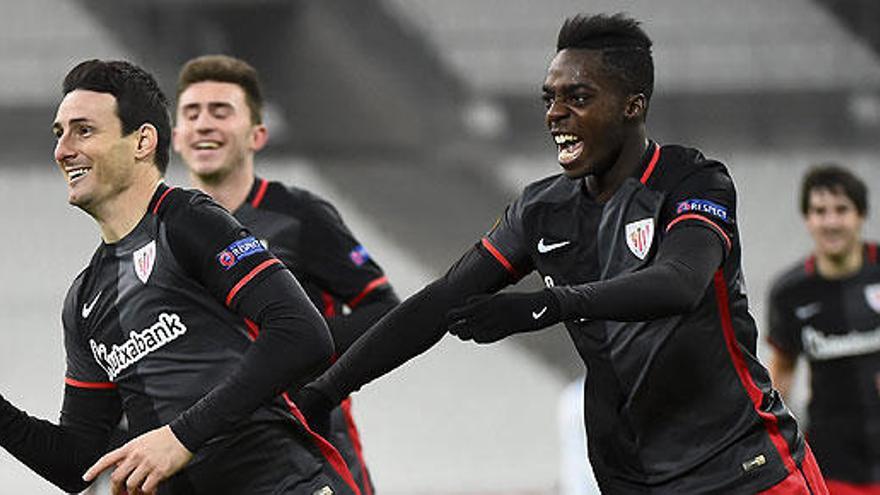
835	267
231	189
603	186
119	215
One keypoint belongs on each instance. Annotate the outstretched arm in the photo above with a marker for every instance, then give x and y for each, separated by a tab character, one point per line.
61	453
410	329
674	284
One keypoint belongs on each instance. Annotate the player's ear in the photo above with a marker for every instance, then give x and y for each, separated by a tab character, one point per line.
259	137
147	140
636	104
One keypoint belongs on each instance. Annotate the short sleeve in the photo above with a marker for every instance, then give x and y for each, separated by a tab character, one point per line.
214	248
506	241
783	328
706	197
334	259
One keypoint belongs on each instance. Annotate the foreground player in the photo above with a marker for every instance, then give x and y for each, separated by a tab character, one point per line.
827	309
155	325
218	130
639	247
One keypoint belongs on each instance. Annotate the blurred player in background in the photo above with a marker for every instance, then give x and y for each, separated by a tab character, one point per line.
219	128
639	247
826	309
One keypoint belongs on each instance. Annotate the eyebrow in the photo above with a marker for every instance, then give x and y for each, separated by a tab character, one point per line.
79	120
569	88
211	104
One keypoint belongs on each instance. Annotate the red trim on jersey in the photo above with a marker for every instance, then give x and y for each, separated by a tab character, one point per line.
247	278
253	329
329	304
653	163
355	438
498	256
872	253
807	479
694	216
91	385
329	451
261	191
847	488
162	198
377	282
739	363
810	265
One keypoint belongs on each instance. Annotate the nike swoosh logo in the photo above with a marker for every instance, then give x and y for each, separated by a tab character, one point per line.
808	310
87	308
538	314
546	248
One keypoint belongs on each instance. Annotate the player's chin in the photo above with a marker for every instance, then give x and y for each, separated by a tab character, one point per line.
575	170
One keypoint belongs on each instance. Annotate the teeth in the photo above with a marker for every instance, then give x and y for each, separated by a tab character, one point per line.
76	173
207	145
565	139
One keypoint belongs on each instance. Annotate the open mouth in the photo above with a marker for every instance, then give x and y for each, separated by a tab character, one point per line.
206	145
568	147
75	174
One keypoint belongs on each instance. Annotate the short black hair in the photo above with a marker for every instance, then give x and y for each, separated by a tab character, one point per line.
139	99
838	180
626	49
225	69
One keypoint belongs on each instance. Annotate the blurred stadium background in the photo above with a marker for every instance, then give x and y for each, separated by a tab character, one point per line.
421	119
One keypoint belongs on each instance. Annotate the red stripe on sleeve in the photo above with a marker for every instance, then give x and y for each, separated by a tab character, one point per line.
694	216
247	278
162	198
378	282
872	253
91	385
771	423
653	163
261	192
498	256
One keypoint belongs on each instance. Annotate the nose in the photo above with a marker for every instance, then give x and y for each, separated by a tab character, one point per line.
63	151
204	122
555	112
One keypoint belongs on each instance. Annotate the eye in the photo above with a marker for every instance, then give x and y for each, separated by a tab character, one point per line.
579	100
85	130
221	111
547	99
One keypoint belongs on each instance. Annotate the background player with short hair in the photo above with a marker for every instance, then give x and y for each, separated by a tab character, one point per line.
155	327
218	130
826	309
638	244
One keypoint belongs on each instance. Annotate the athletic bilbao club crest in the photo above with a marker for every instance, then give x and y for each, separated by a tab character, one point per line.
872	294
639	236
144	259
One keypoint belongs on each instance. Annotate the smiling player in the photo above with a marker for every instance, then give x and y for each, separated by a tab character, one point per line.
638	244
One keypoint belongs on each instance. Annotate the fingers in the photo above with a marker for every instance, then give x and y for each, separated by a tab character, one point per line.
109	459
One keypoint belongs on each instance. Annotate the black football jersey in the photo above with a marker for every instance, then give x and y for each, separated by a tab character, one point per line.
835	325
674	405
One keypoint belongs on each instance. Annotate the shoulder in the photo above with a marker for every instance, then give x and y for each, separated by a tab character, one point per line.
680	164
296	202
176	200
792	278
549	190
